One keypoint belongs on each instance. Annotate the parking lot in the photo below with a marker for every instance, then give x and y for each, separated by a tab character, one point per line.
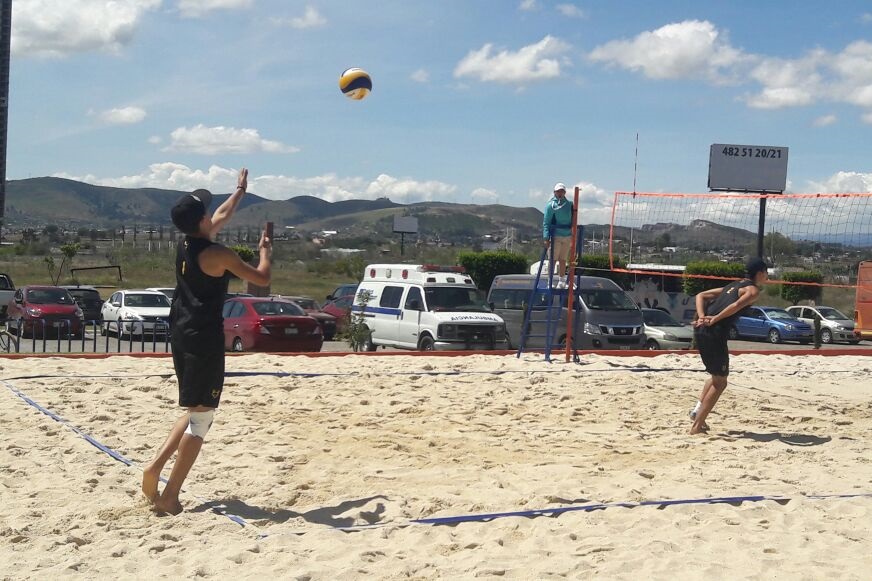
95	343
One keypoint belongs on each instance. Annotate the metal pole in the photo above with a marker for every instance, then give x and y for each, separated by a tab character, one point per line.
402	243
570	337
760	227
5	51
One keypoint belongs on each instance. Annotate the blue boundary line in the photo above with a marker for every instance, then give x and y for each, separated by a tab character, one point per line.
103	448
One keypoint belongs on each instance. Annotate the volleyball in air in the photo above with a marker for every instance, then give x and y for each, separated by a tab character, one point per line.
355	83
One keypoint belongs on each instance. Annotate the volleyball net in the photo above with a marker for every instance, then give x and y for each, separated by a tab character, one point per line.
826	233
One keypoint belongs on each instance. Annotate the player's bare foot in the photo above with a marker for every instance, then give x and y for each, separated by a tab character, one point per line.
168	506
150	479
694	430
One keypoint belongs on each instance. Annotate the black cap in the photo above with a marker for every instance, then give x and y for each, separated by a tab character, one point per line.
190	209
756	265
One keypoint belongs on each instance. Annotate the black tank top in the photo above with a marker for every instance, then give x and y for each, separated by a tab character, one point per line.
196	317
728	296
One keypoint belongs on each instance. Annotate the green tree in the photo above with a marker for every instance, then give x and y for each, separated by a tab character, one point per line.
801	292
69	251
662	241
244	252
358	333
483	267
599	265
693	286
777	244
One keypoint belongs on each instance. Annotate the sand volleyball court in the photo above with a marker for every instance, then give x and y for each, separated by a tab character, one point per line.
376	443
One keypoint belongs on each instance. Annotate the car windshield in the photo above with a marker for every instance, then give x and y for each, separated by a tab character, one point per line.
832	314
456	299
273	308
308	304
86	294
49	296
155	301
656	318
607	299
779	314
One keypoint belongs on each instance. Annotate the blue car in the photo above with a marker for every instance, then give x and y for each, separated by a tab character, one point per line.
771	323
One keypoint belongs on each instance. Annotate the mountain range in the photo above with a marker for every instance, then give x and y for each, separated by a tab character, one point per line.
37	202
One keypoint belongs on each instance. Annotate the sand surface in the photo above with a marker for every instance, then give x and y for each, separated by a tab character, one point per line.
388	441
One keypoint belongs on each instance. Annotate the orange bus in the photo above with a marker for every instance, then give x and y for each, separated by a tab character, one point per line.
863	308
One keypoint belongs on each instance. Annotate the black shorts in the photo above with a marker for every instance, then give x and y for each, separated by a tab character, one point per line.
712	345
201	376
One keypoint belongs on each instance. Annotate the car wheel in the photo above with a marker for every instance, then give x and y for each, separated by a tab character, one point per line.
774	336
826	336
237	345
652	345
368	345
426	343
733	333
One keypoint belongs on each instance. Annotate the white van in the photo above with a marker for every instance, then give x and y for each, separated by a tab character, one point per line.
426	307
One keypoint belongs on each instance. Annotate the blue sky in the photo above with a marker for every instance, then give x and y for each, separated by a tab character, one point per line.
473	100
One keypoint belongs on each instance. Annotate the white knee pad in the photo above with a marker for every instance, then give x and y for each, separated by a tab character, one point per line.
199	423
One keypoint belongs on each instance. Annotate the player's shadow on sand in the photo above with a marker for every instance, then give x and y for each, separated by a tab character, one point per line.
328	515
789	439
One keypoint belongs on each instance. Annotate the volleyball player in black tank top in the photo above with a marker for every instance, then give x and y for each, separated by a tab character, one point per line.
202	268
716	310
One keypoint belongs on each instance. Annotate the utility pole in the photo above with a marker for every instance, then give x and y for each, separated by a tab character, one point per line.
5	53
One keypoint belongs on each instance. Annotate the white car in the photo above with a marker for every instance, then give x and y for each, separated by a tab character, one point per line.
167	290
134	312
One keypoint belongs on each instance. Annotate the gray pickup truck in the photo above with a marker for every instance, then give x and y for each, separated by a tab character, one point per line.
7	289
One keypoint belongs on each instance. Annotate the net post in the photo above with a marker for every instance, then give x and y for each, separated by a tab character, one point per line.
573	258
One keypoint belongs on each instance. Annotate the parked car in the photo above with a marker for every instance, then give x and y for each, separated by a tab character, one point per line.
269	324
134	312
168	291
89	300
44	310
340	309
835	325
664	332
7	289
771	323
343	290
605	316
313	309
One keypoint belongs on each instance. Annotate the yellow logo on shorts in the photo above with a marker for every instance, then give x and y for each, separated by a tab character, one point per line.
216	393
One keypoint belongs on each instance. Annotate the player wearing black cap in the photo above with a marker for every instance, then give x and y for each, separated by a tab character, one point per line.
716	310
202	268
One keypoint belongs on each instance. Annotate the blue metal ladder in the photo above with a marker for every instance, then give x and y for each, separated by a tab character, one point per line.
554	308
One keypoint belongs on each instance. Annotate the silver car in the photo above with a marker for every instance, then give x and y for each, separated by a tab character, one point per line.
664	332
836	326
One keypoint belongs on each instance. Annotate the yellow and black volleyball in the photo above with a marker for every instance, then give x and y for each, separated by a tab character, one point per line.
355	83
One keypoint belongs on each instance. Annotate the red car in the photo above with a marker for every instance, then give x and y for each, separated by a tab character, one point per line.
269	324
45	310
339	308
313	309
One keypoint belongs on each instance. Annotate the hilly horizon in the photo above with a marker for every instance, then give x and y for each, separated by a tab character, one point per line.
37	202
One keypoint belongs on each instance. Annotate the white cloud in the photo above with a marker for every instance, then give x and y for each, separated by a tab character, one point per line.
867	117
49	28
825	120
528	5
420	76
123	115
199	8
530	63
570	10
330	187
311	18
484	196
866	18
216	140
688	49
155	140
844	182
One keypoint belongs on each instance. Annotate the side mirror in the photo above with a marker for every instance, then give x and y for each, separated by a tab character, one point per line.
329	297
491	305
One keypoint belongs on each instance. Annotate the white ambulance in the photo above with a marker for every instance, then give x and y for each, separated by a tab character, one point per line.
426	307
